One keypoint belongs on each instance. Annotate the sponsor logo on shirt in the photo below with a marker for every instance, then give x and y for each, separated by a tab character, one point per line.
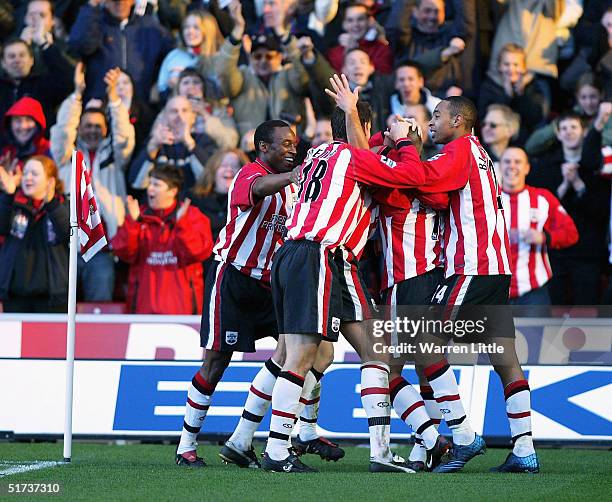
162	258
276	224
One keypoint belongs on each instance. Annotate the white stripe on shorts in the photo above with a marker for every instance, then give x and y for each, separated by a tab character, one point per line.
352	289
321	324
213	307
460	297
393	315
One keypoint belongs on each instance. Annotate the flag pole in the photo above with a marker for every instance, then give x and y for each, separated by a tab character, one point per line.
71	325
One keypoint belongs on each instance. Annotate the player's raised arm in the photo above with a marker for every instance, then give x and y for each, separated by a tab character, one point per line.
347	101
444	172
376	170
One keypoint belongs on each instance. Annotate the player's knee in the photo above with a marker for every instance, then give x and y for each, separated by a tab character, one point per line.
509	372
279	355
215	364
325	356
300	362
395	370
420	371
369	352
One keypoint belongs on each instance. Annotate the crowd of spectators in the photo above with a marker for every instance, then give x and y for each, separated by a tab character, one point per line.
163	97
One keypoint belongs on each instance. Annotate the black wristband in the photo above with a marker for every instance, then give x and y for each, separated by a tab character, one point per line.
233	40
402	142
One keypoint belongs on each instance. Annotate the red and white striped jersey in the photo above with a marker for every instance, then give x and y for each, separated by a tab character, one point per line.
475	235
411	228
411	235
364	229
333	207
255	228
538	209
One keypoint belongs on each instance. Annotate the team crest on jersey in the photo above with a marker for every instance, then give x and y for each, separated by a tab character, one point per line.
335	324
388	161
231	337
435	157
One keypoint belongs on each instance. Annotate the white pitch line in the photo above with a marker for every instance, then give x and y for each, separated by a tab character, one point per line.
20	468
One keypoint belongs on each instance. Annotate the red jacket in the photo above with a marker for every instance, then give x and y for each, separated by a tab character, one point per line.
166	260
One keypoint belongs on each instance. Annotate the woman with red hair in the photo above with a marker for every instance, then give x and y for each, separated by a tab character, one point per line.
35	222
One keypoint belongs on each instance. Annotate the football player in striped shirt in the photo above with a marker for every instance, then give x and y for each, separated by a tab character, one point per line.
237	289
411	229
477	273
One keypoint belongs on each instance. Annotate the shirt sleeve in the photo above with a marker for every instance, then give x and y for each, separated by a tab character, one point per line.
242	191
377	170
559	228
391	197
444	172
437	201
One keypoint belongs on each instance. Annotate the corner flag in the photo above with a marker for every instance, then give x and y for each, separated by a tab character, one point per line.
87	230
91	231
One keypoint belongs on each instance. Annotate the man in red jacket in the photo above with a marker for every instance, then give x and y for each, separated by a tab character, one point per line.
165	243
535	220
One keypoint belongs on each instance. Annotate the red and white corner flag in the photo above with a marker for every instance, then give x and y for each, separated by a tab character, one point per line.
91	230
87	231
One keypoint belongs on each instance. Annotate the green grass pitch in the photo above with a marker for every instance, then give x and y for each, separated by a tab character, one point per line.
147	472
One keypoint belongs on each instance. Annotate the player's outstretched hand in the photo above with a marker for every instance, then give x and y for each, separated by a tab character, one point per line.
296	175
415	135
342	94
405	128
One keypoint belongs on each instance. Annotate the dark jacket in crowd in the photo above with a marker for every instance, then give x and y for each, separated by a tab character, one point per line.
50	86
138	48
214	206
589	210
177	154
425	48
531	105
34	255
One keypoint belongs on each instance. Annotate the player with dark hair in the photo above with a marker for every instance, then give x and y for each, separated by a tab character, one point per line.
239	302
477	273
326	234
237	297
